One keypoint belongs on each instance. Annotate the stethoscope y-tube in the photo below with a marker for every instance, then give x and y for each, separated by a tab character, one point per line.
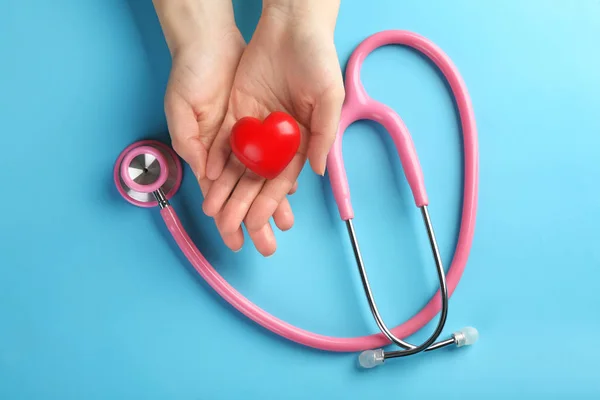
148	174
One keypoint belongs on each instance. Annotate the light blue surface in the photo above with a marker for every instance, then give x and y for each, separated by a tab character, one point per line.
97	303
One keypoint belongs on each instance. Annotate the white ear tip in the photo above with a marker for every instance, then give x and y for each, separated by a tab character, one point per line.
370	358
466	336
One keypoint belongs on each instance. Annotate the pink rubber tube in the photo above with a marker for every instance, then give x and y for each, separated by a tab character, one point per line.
465	238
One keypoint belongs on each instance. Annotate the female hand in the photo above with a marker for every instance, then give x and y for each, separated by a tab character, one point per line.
206	46
289	65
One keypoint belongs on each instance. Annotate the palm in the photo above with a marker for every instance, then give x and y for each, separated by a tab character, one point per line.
291	72
196	97
196	103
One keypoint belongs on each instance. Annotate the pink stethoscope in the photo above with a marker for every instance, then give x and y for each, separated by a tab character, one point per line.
148	173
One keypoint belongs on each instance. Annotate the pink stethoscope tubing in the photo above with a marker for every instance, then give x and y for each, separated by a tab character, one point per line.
358	106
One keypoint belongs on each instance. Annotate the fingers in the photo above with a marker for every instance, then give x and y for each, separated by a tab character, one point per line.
234	212
283	215
220	149
294	188
236	209
272	194
185	133
233	240
264	240
222	187
324	125
232	235
229	199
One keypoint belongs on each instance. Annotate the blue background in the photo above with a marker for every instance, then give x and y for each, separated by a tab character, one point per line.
96	302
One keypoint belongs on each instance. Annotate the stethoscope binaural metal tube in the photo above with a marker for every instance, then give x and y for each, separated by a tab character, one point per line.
410	349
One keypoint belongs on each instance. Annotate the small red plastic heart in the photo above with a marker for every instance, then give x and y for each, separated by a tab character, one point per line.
266	147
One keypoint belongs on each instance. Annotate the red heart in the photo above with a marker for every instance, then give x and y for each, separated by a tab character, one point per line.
266	147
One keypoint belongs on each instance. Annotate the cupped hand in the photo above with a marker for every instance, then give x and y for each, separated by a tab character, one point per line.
196	102
290	65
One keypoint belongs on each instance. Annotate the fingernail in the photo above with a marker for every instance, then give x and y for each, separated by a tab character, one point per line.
199	172
324	166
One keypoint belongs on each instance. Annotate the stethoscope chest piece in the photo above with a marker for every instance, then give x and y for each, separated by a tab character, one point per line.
144	167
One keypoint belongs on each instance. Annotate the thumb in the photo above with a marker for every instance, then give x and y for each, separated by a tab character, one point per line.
323	126
185	134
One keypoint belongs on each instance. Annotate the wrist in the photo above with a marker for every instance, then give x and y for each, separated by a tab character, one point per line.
185	23
303	12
